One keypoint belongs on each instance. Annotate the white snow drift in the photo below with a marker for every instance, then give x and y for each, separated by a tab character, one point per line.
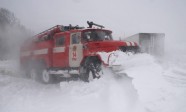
155	87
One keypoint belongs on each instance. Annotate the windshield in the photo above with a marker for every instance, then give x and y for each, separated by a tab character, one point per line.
96	35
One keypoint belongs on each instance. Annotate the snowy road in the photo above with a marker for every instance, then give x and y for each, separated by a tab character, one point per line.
160	87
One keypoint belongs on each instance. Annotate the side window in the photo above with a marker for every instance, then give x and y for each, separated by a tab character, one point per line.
75	39
60	41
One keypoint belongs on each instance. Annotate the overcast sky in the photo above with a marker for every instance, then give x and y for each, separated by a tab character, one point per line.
124	17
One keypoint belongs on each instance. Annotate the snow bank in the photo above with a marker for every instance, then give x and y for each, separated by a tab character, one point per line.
156	82
158	88
106	94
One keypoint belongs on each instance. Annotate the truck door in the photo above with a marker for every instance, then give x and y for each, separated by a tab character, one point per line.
59	51
75	50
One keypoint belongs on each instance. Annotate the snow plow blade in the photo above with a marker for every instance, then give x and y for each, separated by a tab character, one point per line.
112	60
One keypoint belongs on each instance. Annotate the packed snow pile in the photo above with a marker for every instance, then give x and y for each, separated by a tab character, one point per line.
154	87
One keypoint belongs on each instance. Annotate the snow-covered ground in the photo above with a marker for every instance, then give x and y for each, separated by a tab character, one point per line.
158	85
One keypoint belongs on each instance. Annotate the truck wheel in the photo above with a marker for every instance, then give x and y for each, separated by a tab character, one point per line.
38	72
34	75
95	70
46	77
91	68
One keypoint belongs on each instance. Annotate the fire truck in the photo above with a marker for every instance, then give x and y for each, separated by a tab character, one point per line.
69	52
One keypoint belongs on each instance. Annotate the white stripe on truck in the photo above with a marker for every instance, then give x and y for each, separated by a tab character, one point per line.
128	43
133	44
40	51
58	49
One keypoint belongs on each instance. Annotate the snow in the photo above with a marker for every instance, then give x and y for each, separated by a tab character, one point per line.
156	85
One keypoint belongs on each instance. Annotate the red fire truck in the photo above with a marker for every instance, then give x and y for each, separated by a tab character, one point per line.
69	52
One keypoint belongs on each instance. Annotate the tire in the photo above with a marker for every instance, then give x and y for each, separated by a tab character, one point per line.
25	70
39	73
34	75
46	77
91	67
91	75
